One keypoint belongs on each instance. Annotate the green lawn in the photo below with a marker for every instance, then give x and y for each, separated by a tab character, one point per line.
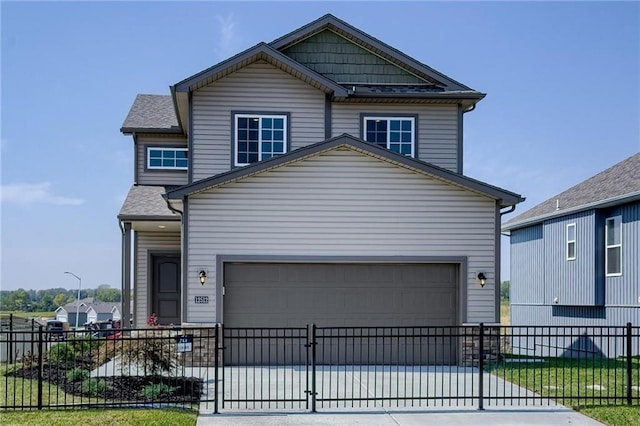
111	417
613	416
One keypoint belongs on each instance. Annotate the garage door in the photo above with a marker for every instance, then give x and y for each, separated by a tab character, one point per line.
293	295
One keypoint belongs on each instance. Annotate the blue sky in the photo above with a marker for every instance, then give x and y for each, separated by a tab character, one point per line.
562	81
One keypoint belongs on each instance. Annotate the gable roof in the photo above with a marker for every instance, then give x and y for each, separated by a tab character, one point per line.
505	197
151	114
616	185
260	51
89	303
371	44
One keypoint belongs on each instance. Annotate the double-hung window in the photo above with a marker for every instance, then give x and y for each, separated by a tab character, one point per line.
259	137
161	158
394	133
613	242
571	241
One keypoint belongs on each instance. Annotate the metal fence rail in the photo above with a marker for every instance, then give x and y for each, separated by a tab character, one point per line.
316	368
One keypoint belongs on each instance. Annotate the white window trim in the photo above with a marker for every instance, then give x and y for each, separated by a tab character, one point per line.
607	246
285	139
388	118
160	148
569	242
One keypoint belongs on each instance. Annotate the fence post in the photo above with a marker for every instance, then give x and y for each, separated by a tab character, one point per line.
629	364
11	336
216	365
40	362
481	367
313	368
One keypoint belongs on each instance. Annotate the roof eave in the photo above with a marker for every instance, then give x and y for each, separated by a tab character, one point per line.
147	218
609	202
504	197
151	130
255	51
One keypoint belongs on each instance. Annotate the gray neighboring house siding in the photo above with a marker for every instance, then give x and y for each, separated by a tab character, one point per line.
548	289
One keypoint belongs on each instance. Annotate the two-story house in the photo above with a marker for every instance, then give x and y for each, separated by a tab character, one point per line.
575	258
316	178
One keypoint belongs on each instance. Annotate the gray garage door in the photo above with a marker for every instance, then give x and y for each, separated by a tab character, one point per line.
293	295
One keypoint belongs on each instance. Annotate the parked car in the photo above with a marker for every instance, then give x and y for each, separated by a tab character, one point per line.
55	329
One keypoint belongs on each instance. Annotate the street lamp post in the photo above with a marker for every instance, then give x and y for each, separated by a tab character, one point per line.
78	301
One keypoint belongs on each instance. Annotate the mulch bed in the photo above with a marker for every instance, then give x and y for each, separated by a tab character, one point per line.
120	388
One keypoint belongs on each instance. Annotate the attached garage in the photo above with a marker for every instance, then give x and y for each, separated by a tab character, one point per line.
346	294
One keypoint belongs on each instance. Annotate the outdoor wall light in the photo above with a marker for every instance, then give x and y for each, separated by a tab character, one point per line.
202	276
482	278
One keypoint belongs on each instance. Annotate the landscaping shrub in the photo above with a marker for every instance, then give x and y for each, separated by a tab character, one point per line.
84	344
62	352
93	387
157	390
77	374
152	351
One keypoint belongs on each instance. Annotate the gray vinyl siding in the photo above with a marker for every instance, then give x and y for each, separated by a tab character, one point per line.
158	177
259	87
342	61
341	203
148	242
625	289
527	266
437	127
572	282
584	340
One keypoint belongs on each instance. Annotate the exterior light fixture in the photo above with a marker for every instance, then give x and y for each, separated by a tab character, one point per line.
202	276
482	278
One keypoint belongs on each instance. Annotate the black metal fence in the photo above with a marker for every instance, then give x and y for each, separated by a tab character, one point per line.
315	368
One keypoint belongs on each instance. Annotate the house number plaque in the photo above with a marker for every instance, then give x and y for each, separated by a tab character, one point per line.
201	299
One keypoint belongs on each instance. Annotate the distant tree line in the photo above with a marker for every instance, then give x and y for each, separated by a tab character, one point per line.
49	300
505	289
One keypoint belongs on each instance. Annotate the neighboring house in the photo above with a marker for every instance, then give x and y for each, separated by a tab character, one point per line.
90	311
575	257
314	179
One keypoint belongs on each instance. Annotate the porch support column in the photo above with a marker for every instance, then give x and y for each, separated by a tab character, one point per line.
126	276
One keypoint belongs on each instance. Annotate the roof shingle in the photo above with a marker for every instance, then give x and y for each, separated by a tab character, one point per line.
151	112
146	202
615	182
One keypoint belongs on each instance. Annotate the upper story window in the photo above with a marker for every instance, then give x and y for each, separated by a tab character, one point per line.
394	133
613	243
259	137
167	158
571	241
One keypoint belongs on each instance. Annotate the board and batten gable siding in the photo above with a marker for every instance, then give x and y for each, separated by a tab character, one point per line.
343	61
625	289
437	127
341	203
259	87
158	177
572	282
146	243
527	266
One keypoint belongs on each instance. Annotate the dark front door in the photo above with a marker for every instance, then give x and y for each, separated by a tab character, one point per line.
165	278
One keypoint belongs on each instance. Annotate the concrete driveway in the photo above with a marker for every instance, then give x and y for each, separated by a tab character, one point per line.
362	382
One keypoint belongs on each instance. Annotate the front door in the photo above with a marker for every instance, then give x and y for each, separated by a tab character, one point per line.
165	278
